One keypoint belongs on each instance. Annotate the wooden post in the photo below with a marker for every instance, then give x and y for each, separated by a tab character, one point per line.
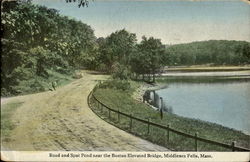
118	116
130	127
233	146
168	132
155	104
148	125
161	110
196	141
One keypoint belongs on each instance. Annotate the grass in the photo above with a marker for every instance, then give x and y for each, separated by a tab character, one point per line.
7	125
40	84
122	99
62	79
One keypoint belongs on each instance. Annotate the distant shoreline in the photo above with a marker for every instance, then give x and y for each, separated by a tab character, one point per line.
220	73
247	1
206	71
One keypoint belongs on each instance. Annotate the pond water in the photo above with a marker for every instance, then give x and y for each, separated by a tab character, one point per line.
227	104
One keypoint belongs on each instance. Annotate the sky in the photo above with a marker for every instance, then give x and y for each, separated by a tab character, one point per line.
173	21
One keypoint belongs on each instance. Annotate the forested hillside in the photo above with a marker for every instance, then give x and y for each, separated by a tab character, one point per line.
40	46
218	52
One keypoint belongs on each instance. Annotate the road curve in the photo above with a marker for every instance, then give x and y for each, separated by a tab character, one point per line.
61	120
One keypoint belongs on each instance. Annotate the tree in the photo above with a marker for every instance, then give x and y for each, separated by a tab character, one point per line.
37	43
149	57
81	3
117	48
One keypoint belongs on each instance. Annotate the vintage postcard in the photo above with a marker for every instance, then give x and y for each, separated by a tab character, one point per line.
125	80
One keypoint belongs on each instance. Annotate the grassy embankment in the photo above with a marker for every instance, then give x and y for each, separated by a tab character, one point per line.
116	98
41	84
7	125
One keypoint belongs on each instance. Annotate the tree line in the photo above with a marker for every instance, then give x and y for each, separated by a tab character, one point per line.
39	45
217	52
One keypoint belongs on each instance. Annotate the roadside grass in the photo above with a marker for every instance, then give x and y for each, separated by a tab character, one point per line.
122	100
7	125
63	79
40	84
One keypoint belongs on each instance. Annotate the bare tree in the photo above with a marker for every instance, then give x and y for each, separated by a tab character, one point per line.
81	3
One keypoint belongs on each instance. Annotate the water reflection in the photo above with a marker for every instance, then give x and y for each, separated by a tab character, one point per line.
151	97
227	103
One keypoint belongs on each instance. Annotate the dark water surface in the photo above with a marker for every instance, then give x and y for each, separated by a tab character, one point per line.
227	104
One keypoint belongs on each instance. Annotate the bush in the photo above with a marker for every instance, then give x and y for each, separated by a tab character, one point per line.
120	72
29	86
77	75
102	67
116	84
5	92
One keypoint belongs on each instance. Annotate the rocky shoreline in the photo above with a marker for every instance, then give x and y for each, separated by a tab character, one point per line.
139	92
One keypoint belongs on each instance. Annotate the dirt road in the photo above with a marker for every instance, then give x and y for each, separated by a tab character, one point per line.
61	120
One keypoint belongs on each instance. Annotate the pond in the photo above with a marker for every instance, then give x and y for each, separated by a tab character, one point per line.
227	103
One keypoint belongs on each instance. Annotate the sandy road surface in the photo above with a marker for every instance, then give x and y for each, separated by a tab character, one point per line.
62	120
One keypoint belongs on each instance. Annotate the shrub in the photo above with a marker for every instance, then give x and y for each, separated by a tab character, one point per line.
116	84
77	75
120	72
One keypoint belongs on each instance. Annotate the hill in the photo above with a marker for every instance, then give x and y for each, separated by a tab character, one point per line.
217	52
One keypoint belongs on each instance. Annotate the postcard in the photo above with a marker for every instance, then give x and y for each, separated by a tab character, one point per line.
125	80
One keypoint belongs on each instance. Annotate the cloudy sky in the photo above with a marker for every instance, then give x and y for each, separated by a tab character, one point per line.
171	21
